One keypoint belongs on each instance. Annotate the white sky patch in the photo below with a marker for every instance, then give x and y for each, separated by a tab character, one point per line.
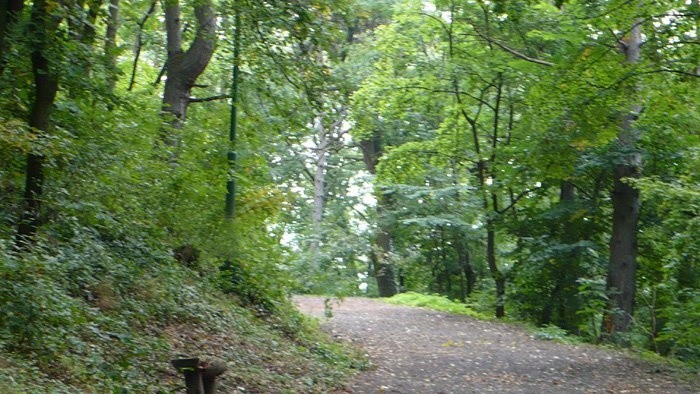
446	16
309	143
369	200
666	20
347	138
360	187
290	240
296	189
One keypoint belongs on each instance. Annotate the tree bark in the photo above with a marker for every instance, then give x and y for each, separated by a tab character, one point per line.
139	43
110	47
43	26
383	268
464	258
322	145
498	277
184	68
9	12
326	139
621	282
319	202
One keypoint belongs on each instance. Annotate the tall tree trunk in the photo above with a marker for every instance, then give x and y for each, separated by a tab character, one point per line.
43	26
319	202
621	283
564	295
383	268
498	277
464	258
139	44
111	43
9	12
184	68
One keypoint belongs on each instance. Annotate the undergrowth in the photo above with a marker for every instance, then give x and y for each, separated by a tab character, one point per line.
436	302
87	321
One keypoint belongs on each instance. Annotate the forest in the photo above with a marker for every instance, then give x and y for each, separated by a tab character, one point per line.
174	170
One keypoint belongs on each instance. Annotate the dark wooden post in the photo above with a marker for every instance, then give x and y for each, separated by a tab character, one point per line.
193	375
200	376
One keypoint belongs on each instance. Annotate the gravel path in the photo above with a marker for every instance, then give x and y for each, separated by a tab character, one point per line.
414	350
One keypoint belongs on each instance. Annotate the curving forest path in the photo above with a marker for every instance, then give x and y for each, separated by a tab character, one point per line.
415	350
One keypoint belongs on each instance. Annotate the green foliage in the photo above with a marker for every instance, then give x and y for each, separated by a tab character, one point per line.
594	298
436	302
550	332
60	311
482	110
683	327
126	267
670	274
93	318
563	125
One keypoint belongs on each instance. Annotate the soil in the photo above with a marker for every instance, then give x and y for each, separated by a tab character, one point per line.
414	350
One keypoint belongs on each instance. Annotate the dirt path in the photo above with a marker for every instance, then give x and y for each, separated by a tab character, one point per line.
419	351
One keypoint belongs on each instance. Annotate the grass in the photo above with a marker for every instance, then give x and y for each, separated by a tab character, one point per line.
441	303
436	302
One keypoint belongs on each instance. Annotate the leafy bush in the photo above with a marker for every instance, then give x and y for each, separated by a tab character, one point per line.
551	332
436	302
682	330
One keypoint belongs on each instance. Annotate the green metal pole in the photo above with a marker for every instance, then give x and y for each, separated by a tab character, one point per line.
231	183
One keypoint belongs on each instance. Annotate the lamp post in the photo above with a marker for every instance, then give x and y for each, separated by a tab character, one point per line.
231	183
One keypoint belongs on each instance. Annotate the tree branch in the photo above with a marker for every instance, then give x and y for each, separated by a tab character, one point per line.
139	43
212	98
513	51
514	200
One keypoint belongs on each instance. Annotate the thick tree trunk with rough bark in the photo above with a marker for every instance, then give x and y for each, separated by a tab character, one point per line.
184	67
383	269
9	13
621	283
45	89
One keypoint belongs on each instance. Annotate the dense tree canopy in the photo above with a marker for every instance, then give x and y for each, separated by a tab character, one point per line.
533	158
